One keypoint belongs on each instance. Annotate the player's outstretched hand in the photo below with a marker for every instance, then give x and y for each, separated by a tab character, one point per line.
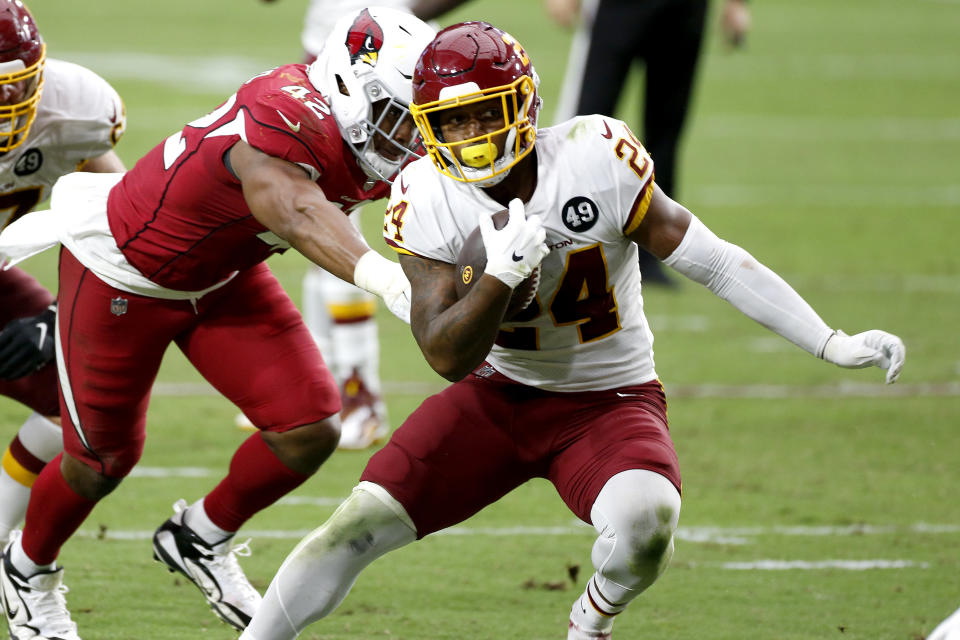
384	278
870	348
515	250
26	344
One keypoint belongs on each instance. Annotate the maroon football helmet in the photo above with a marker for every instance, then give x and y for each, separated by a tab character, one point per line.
467	63
22	56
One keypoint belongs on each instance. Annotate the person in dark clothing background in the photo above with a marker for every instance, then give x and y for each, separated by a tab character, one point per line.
665	35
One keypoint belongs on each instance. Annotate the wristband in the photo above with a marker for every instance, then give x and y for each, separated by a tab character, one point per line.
371	271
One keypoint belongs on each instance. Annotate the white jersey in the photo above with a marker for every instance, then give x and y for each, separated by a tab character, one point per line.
79	117
323	14
586	329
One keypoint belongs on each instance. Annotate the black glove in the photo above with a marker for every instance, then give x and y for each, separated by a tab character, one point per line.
26	344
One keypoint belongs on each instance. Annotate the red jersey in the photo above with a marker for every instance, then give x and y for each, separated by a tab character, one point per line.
179	216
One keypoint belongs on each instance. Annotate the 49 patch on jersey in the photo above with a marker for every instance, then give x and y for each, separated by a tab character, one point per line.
29	162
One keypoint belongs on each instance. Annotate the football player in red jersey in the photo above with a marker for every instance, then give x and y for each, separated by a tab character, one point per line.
567	389
172	252
341	317
55	117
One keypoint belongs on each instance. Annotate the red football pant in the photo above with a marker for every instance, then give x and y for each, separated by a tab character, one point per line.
246	338
471	444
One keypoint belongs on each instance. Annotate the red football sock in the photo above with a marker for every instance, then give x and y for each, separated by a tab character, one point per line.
55	512
256	480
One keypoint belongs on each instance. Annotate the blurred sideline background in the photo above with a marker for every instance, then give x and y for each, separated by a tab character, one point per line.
817	501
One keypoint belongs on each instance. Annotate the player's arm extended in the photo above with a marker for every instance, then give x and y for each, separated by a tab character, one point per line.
454	335
677	237
284	199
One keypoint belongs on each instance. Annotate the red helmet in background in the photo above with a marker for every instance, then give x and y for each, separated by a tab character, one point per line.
22	56
467	63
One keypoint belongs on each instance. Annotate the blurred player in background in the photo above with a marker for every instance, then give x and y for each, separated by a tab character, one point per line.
172	252
339	315
55	118
567	389
665	35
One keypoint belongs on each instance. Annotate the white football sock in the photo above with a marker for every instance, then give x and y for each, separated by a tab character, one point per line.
319	572
635	514
44	440
196	518
22	562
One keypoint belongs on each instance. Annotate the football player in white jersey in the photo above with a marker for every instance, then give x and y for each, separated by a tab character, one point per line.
55	118
339	315
566	390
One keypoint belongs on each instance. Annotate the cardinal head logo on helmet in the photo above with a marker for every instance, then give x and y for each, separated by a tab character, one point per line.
364	39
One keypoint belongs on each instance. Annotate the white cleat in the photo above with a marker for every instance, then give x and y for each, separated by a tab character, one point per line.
574	632
35	606
212	568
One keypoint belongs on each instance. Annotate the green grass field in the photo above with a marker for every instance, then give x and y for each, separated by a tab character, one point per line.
818	502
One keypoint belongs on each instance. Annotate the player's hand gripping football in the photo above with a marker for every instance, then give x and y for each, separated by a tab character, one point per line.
870	348
26	344
514	251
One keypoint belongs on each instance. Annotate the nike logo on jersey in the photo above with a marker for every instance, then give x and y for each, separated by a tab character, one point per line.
403	187
516	258
293	127
626	395
609	134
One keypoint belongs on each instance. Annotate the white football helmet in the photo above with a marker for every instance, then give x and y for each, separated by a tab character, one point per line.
364	71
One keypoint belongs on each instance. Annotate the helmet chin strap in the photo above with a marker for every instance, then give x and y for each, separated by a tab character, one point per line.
492	180
376	166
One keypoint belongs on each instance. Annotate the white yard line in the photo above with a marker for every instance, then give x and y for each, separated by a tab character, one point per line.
841	390
846	565
213	74
911	67
224	72
907	129
709	535
835	196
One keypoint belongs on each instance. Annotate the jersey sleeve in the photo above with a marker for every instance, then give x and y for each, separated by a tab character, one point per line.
96	114
629	169
292	122
416	221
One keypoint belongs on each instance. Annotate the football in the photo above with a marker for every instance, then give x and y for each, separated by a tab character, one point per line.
472	260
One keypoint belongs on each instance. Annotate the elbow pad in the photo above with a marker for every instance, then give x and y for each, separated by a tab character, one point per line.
734	275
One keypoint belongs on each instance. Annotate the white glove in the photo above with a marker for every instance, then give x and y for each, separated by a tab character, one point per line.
514	251
384	278
870	348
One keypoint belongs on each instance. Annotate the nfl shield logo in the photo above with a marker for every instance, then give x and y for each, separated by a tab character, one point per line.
118	306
